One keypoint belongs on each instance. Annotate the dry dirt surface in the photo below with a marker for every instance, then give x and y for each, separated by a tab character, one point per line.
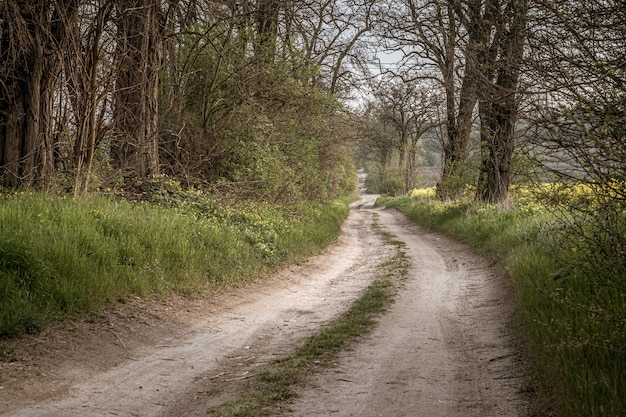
444	348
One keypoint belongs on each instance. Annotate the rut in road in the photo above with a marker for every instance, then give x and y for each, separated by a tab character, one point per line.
443	348
112	368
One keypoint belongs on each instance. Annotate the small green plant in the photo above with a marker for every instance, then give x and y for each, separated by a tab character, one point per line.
7	354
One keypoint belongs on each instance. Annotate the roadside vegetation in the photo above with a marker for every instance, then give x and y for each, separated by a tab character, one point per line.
569	274
274	384
60	256
248	101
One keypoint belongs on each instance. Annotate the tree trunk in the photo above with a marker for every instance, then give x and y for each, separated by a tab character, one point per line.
459	126
135	145
267	30
85	87
445	188
497	145
32	46
498	109
411	167
459	130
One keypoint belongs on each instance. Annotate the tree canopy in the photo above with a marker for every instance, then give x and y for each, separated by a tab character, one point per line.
250	96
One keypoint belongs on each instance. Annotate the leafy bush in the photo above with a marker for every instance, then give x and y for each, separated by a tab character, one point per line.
386	181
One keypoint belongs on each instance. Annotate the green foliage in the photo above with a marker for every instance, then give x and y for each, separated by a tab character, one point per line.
386	181
343	182
285	156
592	223
458	180
572	304
589	293
60	256
258	129
276	234
577	351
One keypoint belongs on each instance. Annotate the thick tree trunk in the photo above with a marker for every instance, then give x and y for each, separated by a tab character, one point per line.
12	136
456	150
32	44
451	159
498	111
497	145
135	146
18	52
459	126
267	30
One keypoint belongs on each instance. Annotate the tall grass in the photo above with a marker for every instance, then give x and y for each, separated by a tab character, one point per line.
573	315
60	257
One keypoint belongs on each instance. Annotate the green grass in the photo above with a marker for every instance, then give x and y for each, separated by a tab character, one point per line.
573	309
276	382
61	257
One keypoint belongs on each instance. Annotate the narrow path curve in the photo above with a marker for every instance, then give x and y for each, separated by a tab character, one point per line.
219	344
443	349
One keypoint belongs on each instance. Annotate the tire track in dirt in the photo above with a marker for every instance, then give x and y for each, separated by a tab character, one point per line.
443	349
220	345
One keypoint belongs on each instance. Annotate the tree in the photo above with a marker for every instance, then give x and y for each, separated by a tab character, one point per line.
579	85
33	37
267	13
578	115
377	141
213	91
253	116
134	148
89	85
498	98
331	35
442	41
473	49
410	110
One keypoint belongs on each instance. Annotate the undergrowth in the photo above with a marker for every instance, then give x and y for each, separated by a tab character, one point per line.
60	256
572	307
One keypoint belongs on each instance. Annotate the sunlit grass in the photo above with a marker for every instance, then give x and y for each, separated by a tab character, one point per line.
60	257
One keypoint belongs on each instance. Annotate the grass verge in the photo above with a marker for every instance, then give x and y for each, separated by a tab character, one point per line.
61	257
572	314
275	383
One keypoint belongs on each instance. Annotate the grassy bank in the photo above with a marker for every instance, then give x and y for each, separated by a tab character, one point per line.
60	257
572	314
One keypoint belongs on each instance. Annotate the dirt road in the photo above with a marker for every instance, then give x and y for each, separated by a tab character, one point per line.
443	349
